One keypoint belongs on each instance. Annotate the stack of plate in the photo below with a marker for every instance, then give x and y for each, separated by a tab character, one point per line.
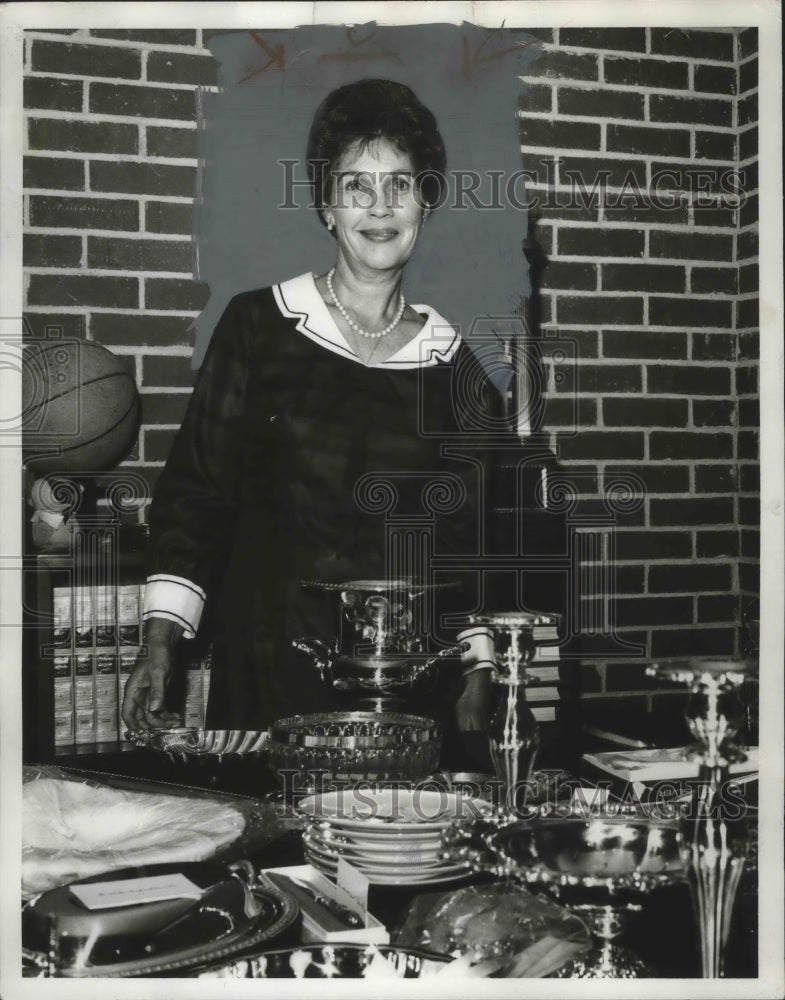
392	835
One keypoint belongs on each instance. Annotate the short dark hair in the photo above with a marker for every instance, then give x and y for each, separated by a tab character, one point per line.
357	114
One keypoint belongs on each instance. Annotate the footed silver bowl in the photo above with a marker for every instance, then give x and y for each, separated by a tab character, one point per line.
601	867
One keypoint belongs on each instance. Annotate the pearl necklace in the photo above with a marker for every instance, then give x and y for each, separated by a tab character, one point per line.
364	333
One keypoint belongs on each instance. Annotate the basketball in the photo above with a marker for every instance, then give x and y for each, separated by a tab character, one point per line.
81	408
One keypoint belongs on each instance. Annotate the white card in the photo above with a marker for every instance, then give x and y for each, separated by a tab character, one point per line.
132	891
353	881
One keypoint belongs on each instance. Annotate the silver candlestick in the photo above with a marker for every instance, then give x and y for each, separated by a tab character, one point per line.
717	844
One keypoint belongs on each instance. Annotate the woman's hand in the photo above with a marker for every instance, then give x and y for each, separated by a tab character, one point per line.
473	707
145	689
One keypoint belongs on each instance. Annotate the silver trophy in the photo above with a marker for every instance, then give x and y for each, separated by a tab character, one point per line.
379	658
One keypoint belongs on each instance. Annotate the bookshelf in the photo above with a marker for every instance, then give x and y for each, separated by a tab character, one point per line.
82	636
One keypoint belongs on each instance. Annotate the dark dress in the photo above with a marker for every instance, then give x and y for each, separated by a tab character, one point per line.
296	462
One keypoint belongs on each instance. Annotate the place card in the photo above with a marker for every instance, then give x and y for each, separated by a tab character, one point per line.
135	891
353	881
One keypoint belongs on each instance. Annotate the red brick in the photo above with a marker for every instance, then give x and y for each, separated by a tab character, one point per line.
689	444
139	255
749	577
142	102
746	379
599	445
603	104
695	380
747	245
623	39
644	344
715	145
712	544
640	139
143	178
646	611
85	60
693	642
747	445
719	280
82	137
749	211
716	479
748	42
569	275
636	412
83	290
749	346
599	310
713	346
747	109
44	325
559	134
157	444
629	579
600	242
749	412
664	478
53	93
750	543
169	217
588	172
175	142
51	251
749	279
642	72
646	209
750	477
54	174
713	412
177	67
689	311
643	277
653	545
705	181
566	66
167	370
536	97
700	247
599	378
715	216
84	213
716	608
715	79
163	408
748	76
570	412
696	43
747	312
691	511
176	294
142	330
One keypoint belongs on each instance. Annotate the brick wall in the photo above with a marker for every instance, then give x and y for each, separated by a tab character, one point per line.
660	305
660	301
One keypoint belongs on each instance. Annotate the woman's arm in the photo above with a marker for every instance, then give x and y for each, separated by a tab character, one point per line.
193	512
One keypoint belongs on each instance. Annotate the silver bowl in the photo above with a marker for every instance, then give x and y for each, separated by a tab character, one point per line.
331	961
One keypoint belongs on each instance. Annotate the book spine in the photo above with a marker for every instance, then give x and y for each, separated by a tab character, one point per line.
84	696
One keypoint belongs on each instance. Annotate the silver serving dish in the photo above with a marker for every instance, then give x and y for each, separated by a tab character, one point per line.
332	961
601	867
185	742
371	746
379	657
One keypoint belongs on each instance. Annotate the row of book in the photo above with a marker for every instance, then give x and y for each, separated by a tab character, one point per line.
95	643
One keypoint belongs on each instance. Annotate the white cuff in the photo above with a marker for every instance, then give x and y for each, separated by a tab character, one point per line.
175	598
481	654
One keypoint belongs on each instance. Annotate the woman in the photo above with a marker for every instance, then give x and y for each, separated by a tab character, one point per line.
306	388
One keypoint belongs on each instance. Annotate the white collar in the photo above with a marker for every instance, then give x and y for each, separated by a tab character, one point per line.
298	298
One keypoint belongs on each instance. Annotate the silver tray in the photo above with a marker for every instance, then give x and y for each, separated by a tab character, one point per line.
183	742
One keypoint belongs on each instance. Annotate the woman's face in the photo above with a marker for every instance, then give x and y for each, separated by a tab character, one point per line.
374	207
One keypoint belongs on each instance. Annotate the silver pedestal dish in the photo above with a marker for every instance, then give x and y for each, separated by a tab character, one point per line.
379	657
601	868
